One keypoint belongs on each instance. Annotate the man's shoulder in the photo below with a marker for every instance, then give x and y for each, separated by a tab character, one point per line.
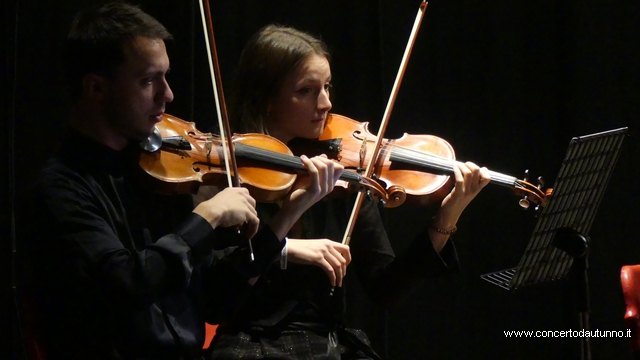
60	177
56	169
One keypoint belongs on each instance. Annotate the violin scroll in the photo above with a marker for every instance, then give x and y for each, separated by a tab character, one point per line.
531	193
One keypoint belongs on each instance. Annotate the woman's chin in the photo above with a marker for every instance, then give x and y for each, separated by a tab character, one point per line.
317	131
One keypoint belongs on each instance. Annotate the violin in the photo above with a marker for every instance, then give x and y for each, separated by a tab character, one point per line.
186	158
413	168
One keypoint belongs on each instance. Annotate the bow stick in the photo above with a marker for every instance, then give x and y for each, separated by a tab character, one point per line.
385	119
223	119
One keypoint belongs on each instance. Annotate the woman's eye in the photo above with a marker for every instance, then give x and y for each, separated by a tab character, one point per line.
304	90
327	87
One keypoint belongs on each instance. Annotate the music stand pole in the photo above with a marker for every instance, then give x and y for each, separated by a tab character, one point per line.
576	245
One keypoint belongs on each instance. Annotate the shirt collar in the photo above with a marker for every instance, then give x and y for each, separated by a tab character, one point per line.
95	155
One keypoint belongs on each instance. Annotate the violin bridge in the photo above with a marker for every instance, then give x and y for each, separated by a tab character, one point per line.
363	154
208	146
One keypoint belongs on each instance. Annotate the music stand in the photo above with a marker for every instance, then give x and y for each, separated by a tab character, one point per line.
560	234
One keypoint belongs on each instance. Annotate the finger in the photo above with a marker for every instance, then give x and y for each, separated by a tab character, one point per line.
338	169
242	190
465	170
323	165
339	276
485	176
251	206
341	249
472	166
324	264
306	161
330	179
346	256
342	269
345	252
249	198
338	271
335	256
457	173
253	223
473	177
237	191
245	205
313	184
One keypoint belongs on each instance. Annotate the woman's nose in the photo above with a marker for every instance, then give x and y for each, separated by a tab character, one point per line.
324	103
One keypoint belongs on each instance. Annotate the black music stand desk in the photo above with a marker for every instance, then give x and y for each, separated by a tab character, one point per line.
560	237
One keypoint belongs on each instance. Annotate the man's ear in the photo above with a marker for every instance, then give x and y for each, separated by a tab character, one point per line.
95	86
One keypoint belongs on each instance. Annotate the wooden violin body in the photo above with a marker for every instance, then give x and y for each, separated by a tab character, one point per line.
200	161
419	166
403	182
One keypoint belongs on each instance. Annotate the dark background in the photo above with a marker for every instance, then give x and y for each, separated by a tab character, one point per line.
507	83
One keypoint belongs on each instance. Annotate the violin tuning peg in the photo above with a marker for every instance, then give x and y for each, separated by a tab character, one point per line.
524	203
526	175
540	182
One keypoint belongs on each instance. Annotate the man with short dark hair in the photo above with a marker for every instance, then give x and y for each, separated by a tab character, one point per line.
118	269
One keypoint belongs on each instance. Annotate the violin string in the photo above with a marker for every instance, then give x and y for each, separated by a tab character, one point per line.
276	158
438	163
268	156
412	156
421	158
424	159
435	162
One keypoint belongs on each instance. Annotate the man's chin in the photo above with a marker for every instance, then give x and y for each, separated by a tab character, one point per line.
141	136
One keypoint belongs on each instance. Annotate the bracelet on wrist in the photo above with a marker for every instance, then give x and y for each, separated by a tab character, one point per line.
442	231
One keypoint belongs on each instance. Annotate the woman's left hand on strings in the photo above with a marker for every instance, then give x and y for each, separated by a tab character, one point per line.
469	180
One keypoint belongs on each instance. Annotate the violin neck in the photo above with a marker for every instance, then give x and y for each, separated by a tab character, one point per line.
287	161
440	165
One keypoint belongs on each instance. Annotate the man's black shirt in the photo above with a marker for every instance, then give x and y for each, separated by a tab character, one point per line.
118	269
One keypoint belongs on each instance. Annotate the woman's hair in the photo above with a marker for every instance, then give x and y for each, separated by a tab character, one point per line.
267	59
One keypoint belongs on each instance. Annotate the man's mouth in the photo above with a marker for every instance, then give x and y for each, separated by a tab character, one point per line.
157	116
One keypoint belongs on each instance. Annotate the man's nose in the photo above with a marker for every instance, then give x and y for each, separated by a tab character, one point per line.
166	93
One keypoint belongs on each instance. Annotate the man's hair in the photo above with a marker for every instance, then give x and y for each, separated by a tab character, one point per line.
267	59
95	43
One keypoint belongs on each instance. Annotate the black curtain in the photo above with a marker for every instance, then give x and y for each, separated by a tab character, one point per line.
506	83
